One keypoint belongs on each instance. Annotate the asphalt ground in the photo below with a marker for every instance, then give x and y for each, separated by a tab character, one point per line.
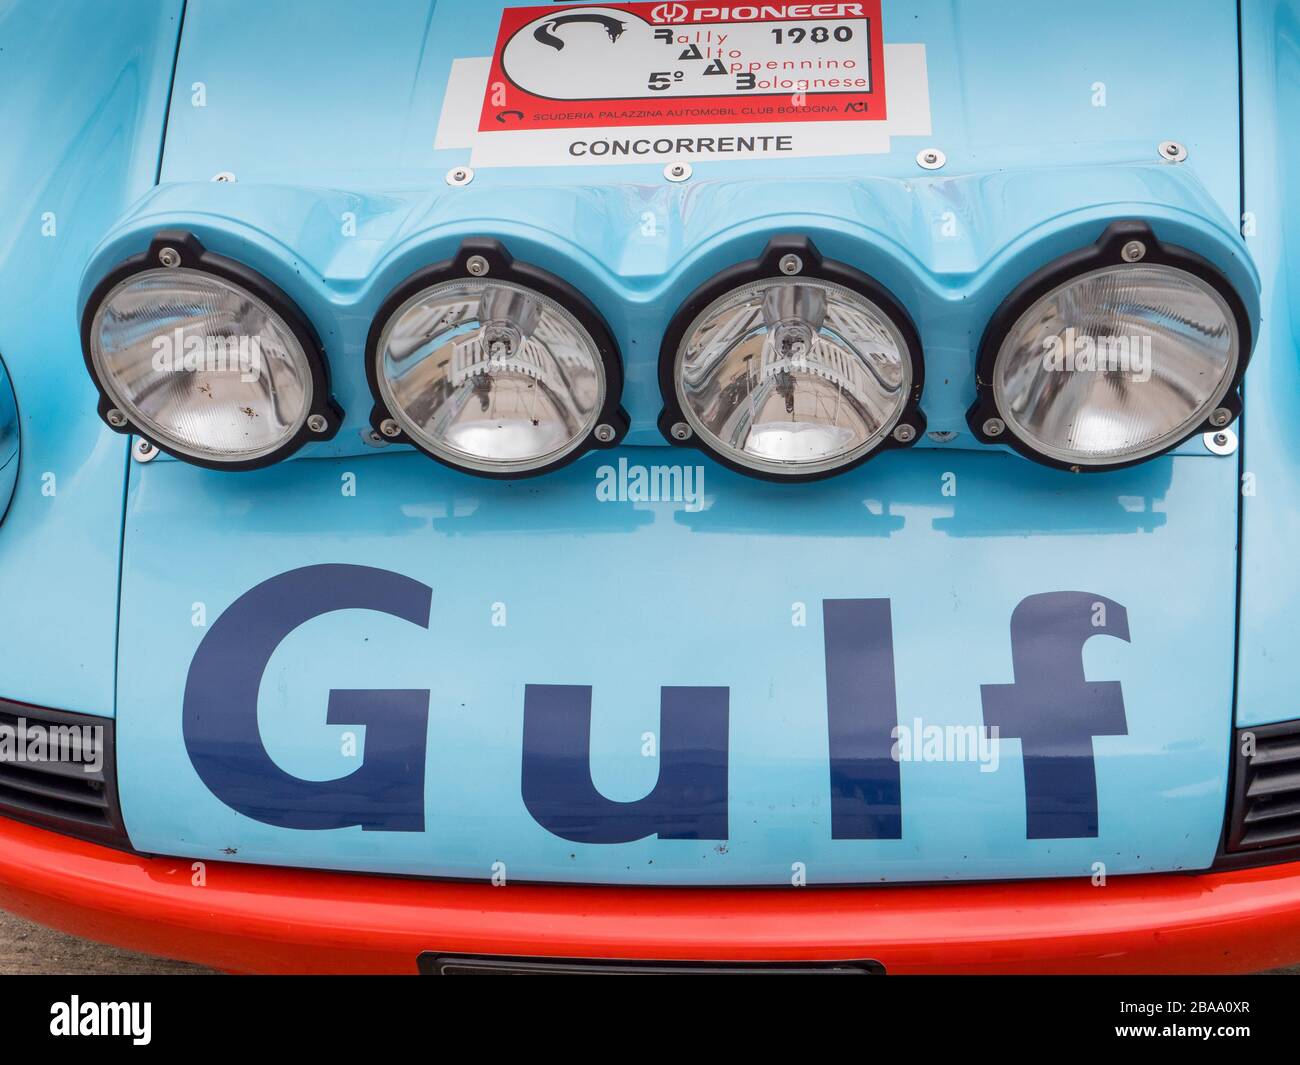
27	949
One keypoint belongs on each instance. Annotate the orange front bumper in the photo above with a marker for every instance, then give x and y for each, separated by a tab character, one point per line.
260	919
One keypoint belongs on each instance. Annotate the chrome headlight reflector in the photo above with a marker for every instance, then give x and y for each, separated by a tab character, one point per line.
205	359
792	368
1113	355
494	367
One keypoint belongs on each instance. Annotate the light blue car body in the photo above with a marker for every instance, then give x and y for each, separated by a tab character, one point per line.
113	572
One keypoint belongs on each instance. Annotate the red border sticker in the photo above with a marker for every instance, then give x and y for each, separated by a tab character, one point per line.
686	63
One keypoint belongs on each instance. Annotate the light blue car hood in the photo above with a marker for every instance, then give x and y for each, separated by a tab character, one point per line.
362	660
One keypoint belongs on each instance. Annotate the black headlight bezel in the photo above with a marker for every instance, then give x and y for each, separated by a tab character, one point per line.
768	267
502	266
1108	250
194	256
11	423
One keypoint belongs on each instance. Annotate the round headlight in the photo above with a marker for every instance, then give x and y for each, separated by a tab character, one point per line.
494	367
1113	356
205	359
792	368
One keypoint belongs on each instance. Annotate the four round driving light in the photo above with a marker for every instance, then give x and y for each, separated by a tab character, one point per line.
792	368
205	359
494	367
1113	355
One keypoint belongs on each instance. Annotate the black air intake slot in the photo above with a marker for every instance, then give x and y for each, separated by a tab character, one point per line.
70	785
1266	794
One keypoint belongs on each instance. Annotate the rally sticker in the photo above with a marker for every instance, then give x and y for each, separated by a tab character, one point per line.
673	64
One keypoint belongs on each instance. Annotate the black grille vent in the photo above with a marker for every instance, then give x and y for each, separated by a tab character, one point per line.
1266	796
57	770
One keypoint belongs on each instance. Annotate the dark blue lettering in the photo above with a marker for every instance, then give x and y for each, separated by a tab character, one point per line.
386	793
1055	711
862	713
689	801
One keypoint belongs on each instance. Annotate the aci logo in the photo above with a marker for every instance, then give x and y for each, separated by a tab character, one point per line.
1049	706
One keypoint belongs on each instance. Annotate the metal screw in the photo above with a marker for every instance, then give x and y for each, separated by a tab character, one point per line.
678	171
224	178
1133	252
460	177
682	431
372	439
1221	443
904	434
169	257
995	427
1172	151
390	428
605	434
477	266
931	159
1221	417
144	451
318	423
791	265
116	418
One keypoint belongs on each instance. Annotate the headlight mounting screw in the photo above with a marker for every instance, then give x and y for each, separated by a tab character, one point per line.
169	257
318	423
1133	252
1221	417
681	431
144	451
478	266
791	265
116	418
995	427
904	434
605	434
390	428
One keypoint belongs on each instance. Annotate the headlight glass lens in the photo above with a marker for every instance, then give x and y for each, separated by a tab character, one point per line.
490	376
793	376
1117	364
203	366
